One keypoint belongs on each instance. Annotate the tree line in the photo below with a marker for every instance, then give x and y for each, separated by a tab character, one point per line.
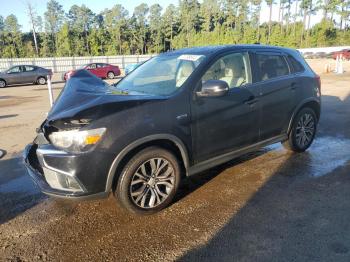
150	29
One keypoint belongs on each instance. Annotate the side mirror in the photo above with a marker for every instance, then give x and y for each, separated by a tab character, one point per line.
213	88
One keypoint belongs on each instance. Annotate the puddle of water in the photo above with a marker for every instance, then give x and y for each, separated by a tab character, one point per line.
324	156
329	153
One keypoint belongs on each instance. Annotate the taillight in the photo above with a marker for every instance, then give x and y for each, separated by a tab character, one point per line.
318	79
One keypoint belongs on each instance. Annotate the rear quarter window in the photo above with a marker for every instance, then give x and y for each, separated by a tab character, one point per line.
296	66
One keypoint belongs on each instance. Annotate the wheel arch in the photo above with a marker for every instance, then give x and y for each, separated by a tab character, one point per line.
312	103
166	141
41	76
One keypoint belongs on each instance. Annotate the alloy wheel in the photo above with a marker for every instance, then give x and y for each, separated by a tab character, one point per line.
152	183
305	130
2	83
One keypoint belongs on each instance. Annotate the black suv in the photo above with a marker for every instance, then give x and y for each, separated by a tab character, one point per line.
178	114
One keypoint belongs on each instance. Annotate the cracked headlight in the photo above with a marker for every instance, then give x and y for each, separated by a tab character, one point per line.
77	140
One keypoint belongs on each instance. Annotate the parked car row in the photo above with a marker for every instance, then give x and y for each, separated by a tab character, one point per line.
345	54
30	74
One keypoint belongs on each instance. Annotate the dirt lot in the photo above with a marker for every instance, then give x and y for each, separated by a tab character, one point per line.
269	205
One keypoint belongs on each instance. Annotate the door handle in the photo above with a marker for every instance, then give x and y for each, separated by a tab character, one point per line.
183	119
251	101
293	86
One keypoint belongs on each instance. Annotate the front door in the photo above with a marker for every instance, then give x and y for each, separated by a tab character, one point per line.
93	69
14	75
227	123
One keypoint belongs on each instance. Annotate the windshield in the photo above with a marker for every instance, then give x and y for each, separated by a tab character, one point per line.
83	66
161	75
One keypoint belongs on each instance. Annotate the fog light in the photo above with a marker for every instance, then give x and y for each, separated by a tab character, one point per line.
61	181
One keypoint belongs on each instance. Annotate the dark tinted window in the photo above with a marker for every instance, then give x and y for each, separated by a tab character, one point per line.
101	65
272	65
296	65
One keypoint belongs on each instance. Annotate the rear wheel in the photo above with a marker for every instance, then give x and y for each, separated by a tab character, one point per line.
303	131
149	181
41	80
2	83
110	75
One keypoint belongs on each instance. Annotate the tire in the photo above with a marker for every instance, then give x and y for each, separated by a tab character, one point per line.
41	80
110	75
2	83
303	131
141	193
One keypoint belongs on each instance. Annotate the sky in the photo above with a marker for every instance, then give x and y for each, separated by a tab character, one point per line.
17	7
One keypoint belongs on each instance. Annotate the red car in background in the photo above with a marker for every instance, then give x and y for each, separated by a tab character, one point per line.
345	54
101	70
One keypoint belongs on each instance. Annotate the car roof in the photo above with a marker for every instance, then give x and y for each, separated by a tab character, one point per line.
24	65
208	50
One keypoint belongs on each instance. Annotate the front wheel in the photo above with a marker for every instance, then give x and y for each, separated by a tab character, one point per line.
303	131
2	83
149	181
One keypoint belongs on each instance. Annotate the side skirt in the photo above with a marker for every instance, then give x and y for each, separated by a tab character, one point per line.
215	161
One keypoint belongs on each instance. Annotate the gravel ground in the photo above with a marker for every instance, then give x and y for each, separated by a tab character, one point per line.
270	205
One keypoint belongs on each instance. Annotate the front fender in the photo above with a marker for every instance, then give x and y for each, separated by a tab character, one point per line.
116	162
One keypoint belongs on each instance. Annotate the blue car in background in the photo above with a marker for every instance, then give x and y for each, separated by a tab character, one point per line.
131	67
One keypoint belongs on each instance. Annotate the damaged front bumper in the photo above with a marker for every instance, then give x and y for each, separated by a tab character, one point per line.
44	164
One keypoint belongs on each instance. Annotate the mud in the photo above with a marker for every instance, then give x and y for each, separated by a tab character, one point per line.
269	205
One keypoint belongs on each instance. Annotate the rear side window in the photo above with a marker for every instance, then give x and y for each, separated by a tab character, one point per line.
29	68
297	67
272	66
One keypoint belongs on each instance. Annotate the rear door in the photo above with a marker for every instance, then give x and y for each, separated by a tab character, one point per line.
277	87
102	70
29	75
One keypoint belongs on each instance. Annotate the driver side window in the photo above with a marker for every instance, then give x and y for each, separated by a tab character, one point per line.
15	69
92	66
234	69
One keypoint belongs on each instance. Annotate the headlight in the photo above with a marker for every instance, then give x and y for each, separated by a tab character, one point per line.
75	140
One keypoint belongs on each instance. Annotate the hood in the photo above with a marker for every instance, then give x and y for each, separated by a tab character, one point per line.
86	97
